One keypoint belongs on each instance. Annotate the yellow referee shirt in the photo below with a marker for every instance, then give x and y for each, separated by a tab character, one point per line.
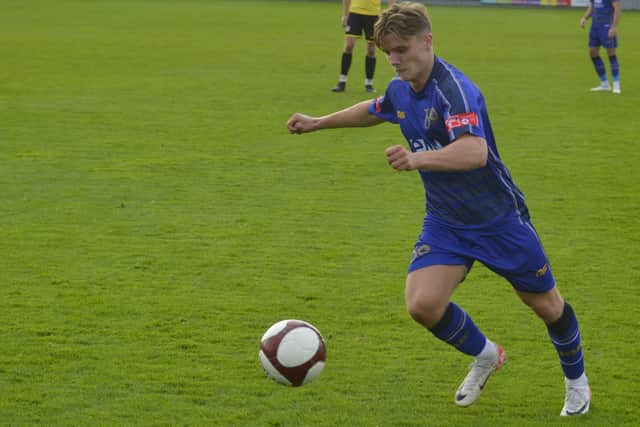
365	7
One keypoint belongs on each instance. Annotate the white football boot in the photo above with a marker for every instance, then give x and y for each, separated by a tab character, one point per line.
578	398
603	87
481	370
616	87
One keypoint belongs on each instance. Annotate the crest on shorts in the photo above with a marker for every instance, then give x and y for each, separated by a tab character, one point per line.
419	251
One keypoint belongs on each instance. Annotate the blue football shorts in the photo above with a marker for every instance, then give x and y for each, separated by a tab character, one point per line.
599	36
511	249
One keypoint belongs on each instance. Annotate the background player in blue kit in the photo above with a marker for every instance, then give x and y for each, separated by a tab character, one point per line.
605	15
474	210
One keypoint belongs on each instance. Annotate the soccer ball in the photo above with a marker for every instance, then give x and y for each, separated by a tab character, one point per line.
292	352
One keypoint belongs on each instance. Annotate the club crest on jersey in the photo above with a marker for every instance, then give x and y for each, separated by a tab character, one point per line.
430	117
461	120
401	115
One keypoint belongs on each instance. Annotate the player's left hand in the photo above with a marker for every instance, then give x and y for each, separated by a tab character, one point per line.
400	158
613	31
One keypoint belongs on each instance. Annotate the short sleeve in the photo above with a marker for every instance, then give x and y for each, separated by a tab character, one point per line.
462	110
383	108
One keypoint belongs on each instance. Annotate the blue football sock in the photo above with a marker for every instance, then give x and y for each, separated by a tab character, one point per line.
615	68
565	335
598	63
457	328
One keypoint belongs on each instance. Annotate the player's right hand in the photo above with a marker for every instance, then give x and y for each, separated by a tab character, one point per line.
301	123
583	21
343	20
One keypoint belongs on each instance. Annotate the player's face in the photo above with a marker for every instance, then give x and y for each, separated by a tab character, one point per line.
411	58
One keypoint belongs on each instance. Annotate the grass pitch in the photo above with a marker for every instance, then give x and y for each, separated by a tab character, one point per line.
157	218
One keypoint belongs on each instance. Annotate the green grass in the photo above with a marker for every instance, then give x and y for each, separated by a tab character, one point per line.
157	218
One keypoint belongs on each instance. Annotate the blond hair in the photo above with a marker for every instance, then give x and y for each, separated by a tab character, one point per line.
402	20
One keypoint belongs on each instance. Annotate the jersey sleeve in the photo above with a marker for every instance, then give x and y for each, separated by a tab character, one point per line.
462	110
383	107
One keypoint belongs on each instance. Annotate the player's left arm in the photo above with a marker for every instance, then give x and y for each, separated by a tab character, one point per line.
617	12
587	15
467	152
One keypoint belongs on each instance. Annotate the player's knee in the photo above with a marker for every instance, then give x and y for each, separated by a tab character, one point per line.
547	307
349	44
371	50
425	311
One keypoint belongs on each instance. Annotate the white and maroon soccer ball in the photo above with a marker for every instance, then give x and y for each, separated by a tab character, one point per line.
292	352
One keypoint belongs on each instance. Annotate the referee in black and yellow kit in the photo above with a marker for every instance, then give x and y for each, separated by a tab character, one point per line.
359	16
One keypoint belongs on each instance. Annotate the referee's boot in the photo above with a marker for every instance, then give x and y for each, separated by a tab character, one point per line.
340	87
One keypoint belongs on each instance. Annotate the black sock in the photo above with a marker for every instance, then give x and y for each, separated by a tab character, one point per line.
369	67
346	64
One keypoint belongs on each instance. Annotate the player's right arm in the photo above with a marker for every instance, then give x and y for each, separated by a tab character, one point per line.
466	153
355	116
345	12
587	15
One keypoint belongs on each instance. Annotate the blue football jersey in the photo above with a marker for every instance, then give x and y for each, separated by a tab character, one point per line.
602	13
449	106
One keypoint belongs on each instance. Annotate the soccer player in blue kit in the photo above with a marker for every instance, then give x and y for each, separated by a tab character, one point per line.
605	15
474	210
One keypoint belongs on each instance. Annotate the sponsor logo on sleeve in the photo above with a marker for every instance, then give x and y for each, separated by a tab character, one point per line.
461	120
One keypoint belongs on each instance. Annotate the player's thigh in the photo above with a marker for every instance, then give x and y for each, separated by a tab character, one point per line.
435	270
429	289
515	252
610	43
595	40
